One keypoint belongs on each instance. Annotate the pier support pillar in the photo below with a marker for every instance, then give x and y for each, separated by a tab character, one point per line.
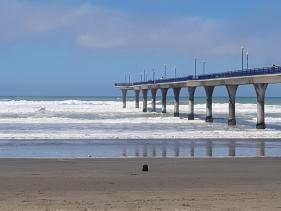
231	89
177	101
137	98
260	90
164	99
191	91
153	95
144	94
124	97
209	101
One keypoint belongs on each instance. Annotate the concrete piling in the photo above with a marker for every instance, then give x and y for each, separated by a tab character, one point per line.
144	94
260	91
191	91
177	101
231	89
153	95
209	101
137	98
164	99
124	97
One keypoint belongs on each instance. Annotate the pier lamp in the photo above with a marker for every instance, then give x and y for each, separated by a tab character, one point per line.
242	49
165	71
144	79
247	56
175	72
153	75
195	67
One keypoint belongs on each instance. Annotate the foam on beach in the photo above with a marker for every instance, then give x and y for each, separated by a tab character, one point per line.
96	119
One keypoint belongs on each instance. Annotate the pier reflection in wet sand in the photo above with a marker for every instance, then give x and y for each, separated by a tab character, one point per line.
207	148
139	148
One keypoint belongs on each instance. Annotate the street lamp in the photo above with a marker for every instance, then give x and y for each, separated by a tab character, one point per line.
165	73
242	48
144	79
175	72
153	75
195	67
247	55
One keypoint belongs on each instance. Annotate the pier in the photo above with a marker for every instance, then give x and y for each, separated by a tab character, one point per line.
260	78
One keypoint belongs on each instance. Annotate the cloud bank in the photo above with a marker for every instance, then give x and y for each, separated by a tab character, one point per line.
96	28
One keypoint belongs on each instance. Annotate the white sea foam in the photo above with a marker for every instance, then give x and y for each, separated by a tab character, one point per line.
75	119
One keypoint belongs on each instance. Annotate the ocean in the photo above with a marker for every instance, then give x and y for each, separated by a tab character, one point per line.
104	118
79	127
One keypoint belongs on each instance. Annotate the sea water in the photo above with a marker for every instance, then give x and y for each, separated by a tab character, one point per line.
79	127
104	118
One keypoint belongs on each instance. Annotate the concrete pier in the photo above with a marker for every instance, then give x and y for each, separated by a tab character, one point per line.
153	95
177	102
144	94
209	101
260	91
191	91
137	98
259	77
164	99
231	89
124	97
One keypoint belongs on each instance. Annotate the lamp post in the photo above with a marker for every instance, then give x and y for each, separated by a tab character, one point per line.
129	78
175	72
144	79
165	73
125	77
153	75
242	48
195	67
247	55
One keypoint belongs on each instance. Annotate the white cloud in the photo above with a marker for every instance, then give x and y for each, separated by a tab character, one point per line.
95	28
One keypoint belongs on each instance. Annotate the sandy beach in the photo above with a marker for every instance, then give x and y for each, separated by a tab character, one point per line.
119	184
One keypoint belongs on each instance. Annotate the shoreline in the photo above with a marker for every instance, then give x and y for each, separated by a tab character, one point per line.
149	139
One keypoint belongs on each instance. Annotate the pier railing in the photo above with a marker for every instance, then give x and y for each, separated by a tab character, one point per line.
238	73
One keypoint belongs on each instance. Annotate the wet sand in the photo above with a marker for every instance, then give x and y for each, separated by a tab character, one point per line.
119	184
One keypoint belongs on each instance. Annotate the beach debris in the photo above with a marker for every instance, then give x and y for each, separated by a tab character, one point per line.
145	167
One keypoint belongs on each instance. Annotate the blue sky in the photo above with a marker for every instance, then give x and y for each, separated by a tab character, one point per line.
82	47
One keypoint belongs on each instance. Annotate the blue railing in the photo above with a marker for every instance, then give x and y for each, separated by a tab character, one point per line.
229	74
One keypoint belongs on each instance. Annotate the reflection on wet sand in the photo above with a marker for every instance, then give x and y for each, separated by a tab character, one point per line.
196	149
141	148
262	149
231	149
